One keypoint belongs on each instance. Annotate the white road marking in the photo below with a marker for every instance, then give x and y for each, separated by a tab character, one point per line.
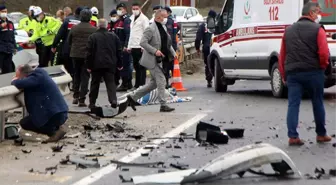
129	158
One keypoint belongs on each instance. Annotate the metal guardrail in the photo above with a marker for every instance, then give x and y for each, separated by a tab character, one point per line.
12	98
188	31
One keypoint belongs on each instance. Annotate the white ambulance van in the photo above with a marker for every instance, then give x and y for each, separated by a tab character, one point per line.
247	40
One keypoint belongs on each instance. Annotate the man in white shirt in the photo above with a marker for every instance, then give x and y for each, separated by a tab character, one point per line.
138	25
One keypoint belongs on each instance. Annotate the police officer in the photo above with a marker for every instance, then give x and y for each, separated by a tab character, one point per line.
204	35
112	27
123	29
61	39
172	30
28	23
94	18
7	42
47	28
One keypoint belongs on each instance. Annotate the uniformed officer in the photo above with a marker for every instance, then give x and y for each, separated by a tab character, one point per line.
172	30
123	29
7	42
112	27
62	36
94	18
204	35
47	28
28	23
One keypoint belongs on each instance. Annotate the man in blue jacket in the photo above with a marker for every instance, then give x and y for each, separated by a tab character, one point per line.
44	102
204	35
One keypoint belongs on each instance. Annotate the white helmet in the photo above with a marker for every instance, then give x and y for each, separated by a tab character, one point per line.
31	8
37	10
94	10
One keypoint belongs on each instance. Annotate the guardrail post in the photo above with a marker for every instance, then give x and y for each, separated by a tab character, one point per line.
2	125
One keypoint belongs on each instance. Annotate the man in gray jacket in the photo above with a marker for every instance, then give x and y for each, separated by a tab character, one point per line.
157	46
77	39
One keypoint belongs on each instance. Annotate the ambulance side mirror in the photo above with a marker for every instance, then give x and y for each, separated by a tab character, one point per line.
333	36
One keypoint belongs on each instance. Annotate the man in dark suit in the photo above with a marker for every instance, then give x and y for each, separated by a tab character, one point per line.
44	102
103	58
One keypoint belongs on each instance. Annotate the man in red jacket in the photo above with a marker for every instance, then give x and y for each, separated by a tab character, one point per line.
304	56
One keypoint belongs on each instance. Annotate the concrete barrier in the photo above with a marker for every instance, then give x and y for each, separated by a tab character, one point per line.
12	98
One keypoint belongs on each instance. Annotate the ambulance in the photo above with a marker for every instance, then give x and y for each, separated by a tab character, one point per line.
247	39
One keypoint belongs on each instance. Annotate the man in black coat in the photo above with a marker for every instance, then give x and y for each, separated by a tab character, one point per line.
7	42
103	59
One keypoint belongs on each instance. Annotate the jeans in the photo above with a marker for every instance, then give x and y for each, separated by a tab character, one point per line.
49	128
81	80
313	83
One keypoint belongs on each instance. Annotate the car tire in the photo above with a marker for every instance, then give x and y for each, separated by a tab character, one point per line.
279	89
219	85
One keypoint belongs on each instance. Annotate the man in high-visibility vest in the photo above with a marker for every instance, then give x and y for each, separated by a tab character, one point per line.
28	23
94	18
46	30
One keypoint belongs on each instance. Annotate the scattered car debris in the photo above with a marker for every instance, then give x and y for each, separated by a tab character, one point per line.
74	135
123	180
180	166
185	134
169	146
80	162
334	145
145	154
332	172
177	147
11	131
161	171
181	140
16	158
136	137
176	157
26	151
57	148
235	132
19	142
88	127
334	135
145	165
52	170
117	127
151	147
210	133
125	169
82	145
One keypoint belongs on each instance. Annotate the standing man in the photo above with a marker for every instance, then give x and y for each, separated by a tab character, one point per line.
204	35
77	40
60	15
28	23
46	30
158	48
62	36
103	59
94	18
139	23
122	30
7	42
114	18
45	104
304	56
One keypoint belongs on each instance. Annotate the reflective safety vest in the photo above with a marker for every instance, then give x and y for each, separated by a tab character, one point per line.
46	30
28	25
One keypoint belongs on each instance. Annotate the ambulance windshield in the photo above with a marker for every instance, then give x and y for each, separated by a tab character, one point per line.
328	8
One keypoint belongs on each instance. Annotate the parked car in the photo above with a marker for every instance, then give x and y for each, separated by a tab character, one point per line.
26	52
186	14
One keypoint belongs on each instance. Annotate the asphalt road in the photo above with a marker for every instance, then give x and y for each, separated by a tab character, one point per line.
248	105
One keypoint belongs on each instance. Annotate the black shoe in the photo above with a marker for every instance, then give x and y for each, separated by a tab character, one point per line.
92	106
209	84
166	108
75	101
131	102
82	104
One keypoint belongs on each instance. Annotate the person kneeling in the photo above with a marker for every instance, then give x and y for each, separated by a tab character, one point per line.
44	102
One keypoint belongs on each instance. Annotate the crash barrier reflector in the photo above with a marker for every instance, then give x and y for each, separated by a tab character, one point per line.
177	79
12	98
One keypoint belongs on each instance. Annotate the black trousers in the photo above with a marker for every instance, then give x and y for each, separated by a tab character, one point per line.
208	75
46	57
49	128
140	71
39	49
81	79
167	67
65	59
6	63
109	80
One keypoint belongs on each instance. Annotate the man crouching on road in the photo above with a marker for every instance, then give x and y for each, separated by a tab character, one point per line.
44	102
304	56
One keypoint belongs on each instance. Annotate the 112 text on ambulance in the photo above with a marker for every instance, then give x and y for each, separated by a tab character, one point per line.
273	9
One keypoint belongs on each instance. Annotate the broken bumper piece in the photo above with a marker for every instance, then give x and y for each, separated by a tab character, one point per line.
235	162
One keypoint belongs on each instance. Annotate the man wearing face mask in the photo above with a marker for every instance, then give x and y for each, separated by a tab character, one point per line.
304	56
122	30
7	42
139	23
46	30
158	48
155	9
112	27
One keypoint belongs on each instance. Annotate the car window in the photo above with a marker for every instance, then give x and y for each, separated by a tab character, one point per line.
188	12
178	11
194	12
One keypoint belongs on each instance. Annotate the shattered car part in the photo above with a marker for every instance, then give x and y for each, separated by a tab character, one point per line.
234	162
19	142
57	148
180	166
146	165
210	133
26	151
123	180
80	162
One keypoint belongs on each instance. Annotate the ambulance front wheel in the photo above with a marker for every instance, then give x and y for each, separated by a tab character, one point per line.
219	84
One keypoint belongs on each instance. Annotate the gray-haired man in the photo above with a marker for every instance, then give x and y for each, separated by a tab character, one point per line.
157	46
